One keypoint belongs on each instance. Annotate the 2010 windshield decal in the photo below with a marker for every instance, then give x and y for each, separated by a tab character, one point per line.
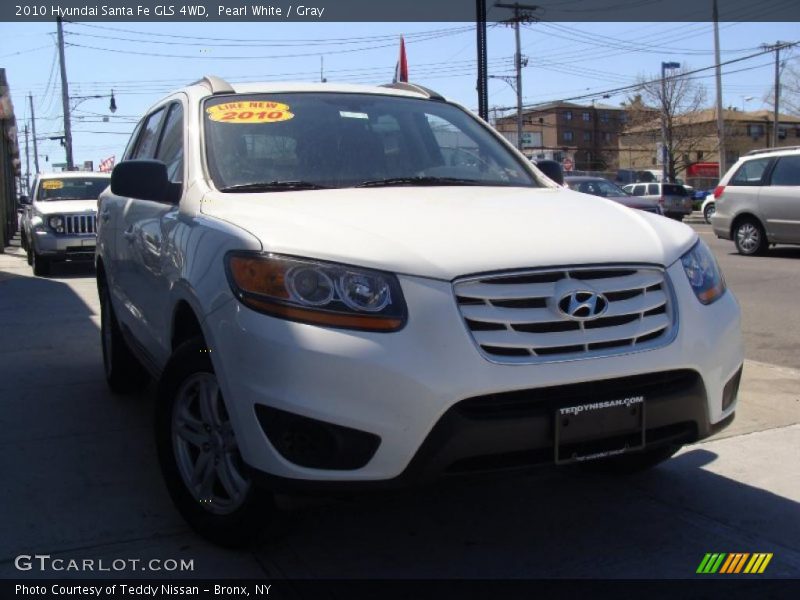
250	112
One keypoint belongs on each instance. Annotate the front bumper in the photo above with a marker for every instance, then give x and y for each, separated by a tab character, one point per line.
61	246
721	224
418	389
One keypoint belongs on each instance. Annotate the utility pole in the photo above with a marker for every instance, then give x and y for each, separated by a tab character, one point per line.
65	96
777	48
482	87
33	127
27	163
518	60
720	114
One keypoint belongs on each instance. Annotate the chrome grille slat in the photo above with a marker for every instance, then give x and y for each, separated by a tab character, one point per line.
485	291
514	317
521	339
80	224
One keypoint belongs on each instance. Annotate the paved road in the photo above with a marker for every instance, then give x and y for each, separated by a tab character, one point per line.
81	479
768	289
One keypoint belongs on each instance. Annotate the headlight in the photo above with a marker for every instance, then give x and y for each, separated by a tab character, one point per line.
703	272
317	292
56	223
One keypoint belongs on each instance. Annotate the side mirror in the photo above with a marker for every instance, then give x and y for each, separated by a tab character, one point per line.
552	169
143	180
25	200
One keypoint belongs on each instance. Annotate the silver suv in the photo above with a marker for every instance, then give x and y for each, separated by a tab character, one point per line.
673	198
758	201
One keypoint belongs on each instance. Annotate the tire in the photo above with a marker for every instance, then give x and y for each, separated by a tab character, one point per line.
629	464
124	373
29	255
708	212
193	432
750	238
40	264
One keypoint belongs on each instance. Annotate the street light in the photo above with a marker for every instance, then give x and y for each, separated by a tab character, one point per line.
664	67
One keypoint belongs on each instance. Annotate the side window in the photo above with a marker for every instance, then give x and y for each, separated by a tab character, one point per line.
787	171
750	173
638	190
127	155
652	189
170	148
146	144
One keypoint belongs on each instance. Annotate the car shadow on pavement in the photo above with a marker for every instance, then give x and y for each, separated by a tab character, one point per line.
553	523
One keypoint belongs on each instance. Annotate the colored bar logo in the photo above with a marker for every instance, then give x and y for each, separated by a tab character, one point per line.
733	563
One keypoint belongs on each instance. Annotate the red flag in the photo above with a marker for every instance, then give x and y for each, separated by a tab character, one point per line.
401	70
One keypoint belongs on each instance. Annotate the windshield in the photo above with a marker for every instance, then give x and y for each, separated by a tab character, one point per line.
259	142
597	187
72	188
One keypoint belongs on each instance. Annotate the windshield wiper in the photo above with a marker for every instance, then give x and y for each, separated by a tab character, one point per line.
420	180
273	186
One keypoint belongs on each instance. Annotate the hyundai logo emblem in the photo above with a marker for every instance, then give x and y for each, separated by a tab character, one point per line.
583	305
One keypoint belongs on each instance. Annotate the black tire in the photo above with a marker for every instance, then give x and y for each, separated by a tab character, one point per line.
629	464
40	264
23	241
29	255
750	237
226	519
124	373
709	210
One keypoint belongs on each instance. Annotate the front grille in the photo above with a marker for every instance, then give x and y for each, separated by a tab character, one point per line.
80	224
515	318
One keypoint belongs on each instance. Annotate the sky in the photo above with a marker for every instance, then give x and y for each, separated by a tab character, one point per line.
141	62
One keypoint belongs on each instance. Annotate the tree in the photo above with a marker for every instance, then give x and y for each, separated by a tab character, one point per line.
672	102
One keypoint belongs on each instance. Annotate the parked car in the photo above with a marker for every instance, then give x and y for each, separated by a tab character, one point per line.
757	200
673	198
597	186
59	223
328	304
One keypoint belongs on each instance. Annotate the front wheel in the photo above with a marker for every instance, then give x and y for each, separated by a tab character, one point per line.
40	264
708	212
124	373
750	238
199	455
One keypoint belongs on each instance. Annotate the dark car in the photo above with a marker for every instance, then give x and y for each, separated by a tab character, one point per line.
597	186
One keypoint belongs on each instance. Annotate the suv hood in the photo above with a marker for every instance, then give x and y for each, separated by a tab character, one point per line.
65	207
447	232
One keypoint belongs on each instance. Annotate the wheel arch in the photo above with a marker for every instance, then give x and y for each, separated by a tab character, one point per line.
743	216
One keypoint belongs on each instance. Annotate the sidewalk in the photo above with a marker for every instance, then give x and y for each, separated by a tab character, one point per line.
12	261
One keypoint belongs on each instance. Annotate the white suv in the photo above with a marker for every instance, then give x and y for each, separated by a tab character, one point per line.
757	202
58	223
343	286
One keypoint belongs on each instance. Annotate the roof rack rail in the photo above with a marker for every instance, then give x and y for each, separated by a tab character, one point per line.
413	87
217	85
777	149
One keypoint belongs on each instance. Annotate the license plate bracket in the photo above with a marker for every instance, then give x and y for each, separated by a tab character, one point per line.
599	429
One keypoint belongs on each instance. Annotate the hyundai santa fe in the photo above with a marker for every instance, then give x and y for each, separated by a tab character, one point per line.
344	287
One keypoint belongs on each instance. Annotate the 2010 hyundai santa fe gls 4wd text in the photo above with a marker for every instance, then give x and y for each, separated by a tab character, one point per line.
347	287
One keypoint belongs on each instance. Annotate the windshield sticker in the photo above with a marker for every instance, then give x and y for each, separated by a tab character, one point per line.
353	115
250	112
52	184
